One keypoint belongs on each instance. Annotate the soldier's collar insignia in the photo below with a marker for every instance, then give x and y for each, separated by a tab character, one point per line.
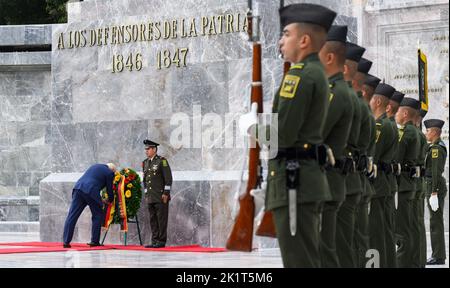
298	66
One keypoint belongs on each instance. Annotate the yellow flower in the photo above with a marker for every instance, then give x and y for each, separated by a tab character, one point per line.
128	194
130	185
117	178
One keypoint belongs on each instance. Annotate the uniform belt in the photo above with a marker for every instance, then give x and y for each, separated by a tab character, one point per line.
298	152
343	165
387	168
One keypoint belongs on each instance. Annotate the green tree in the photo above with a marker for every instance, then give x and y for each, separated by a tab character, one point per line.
19	12
57	10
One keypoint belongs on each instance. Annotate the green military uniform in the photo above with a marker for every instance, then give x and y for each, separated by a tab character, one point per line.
435	160
157	181
408	153
336	132
389	205
361	234
383	157
302	106
419	257
294	108
347	212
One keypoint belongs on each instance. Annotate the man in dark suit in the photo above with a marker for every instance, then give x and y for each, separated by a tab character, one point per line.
86	192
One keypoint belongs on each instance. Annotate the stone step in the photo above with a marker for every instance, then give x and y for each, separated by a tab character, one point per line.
19	208
19	226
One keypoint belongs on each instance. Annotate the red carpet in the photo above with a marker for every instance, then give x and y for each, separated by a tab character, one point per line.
34	247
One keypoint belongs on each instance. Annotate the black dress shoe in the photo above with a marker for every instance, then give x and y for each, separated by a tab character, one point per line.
66	245
160	245
433	261
94	244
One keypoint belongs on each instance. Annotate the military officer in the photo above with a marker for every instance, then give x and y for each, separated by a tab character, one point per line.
436	188
366	144
157	185
335	132
369	87
347	212
419	249
296	182
390	199
385	138
408	153
394	104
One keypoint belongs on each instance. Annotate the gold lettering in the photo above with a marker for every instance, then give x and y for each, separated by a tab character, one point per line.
238	23
99	36
150	32
212	26
92	37
129	33
166	30
83	38
61	41
220	19
113	35
135	32
142	34
192	29
106	36
77	39
245	26
158	30
121	34
174	28
183	30
70	40
229	23
204	25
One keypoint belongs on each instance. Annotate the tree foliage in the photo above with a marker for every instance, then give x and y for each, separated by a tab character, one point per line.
19	12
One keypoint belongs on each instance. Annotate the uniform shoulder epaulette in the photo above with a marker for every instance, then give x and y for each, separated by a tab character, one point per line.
298	66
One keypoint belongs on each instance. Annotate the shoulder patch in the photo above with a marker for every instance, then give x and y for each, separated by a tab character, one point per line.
289	86
434	153
401	131
377	136
164	162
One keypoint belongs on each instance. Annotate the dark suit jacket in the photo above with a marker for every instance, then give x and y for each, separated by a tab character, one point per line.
97	177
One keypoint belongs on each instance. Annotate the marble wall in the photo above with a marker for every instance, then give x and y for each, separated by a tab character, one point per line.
393	32
62	120
25	92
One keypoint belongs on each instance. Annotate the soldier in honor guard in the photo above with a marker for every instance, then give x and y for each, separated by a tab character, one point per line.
365	166
420	243
391	198
385	138
297	184
369	87
335	132
347	212
436	188
408	153
157	186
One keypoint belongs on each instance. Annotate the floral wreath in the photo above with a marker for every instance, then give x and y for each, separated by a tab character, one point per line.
127	199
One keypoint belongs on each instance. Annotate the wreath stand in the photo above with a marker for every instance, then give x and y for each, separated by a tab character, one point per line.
136	221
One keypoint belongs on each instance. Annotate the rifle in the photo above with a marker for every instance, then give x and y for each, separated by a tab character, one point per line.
266	227
241	235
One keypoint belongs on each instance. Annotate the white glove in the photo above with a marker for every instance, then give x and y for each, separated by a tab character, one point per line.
434	202
248	120
259	196
396	200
